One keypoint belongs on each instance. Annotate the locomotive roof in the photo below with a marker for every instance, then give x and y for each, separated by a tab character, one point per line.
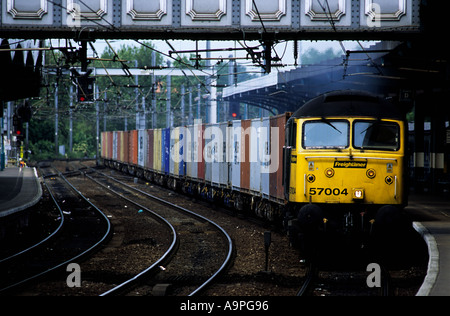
349	103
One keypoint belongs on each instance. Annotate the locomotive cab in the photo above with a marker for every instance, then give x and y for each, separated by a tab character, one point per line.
345	161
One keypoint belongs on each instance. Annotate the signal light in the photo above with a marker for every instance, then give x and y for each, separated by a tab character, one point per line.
85	89
235	110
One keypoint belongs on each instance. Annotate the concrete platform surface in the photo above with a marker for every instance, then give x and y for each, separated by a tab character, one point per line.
19	189
432	221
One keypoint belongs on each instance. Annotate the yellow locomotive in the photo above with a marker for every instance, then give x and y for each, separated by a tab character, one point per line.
344	162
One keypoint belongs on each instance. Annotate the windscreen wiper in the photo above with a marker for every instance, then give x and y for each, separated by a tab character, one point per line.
329	124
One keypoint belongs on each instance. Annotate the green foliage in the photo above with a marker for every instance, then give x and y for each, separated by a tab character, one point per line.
313	56
116	101
42	150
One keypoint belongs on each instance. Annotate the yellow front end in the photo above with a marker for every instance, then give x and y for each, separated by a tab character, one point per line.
348	161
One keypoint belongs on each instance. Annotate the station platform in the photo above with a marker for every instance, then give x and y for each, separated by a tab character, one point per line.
431	219
19	190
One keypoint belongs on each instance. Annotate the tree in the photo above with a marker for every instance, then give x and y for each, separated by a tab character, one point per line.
116	94
313	56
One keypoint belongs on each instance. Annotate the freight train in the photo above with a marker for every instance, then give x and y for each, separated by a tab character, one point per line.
337	163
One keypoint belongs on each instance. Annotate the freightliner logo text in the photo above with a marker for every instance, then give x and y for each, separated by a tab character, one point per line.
350	164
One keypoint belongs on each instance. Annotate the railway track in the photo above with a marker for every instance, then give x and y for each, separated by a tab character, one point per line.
346	282
82	229
138	242
338	268
203	249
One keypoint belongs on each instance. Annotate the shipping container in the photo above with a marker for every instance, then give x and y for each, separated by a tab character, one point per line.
208	137
219	153
114	150
265	157
165	148
157	150
173	165
182	151
133	147
255	156
199	130
110	141
277	125
122	146
104	144
236	155
212	135
118	145
142	145
245	154
177	151
150	144
191	167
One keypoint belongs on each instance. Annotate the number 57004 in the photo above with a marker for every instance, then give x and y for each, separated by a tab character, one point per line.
327	191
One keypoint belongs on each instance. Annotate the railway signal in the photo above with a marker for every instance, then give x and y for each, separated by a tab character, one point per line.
85	89
18	130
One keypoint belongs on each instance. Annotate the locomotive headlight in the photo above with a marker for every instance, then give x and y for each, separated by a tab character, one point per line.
358	194
329	173
371	174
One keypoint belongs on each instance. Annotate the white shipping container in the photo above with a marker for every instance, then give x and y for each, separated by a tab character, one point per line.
115	155
265	160
255	164
142	147
236	155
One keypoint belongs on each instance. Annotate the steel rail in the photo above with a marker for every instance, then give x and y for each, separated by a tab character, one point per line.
85	252
45	239
169	252
184	210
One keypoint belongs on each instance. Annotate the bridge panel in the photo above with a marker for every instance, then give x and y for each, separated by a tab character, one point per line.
210	19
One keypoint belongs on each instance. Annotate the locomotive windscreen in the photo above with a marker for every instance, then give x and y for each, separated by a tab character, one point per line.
376	135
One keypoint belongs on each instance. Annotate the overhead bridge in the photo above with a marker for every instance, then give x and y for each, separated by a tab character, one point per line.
212	19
